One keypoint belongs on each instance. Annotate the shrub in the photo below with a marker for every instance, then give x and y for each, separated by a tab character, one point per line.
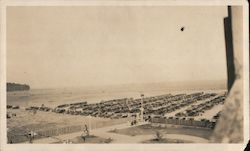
158	136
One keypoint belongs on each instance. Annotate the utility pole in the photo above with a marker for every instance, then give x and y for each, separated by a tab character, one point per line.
89	121
142	109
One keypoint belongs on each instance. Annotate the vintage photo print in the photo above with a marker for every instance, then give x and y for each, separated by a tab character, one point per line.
122	75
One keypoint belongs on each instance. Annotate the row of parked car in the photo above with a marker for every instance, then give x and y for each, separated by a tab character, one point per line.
129	107
175	103
35	108
13	107
196	110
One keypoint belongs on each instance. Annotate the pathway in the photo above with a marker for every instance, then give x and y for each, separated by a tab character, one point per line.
120	138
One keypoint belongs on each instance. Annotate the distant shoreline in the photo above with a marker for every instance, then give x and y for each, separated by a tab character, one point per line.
12	87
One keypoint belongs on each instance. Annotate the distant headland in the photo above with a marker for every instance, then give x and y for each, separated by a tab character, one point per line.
17	87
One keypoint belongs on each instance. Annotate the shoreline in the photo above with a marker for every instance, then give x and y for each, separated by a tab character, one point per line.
53	98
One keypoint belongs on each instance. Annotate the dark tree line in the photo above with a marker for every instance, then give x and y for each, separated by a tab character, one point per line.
17	87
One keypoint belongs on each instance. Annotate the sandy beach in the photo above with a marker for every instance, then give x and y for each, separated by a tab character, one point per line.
55	97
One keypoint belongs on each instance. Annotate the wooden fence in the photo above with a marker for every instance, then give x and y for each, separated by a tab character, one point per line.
185	122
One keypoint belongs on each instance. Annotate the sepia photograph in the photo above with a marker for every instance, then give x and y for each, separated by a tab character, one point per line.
125	74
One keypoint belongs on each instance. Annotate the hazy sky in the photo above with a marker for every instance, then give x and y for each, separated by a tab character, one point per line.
84	46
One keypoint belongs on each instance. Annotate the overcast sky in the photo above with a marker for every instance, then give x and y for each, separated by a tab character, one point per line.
86	46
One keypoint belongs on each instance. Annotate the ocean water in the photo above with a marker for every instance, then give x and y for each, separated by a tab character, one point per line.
54	97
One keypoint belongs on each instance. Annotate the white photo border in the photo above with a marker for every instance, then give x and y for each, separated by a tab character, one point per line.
114	147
